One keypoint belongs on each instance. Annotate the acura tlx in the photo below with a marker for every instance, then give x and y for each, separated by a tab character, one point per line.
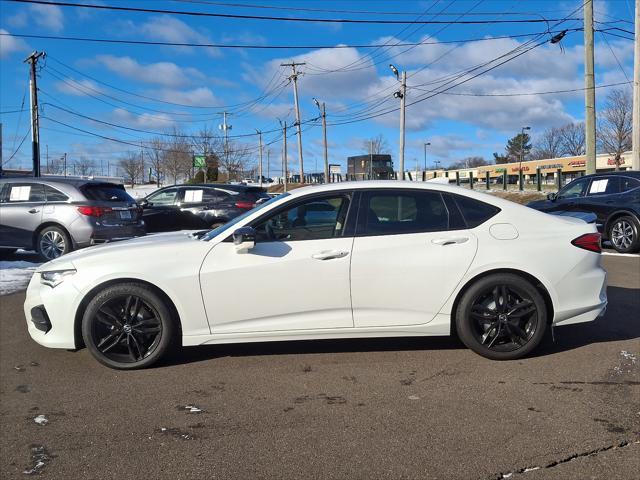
345	260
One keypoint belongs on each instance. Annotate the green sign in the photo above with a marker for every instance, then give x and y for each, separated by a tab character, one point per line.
199	161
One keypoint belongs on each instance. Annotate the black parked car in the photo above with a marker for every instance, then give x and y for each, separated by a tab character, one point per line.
613	197
187	207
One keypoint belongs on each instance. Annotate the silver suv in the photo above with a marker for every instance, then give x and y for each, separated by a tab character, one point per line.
56	215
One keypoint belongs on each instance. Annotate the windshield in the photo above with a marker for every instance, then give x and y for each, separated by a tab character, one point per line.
217	231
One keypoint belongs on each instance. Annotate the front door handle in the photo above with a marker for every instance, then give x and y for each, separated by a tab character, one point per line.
34	210
329	254
449	241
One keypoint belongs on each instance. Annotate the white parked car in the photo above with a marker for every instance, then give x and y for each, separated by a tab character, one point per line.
346	260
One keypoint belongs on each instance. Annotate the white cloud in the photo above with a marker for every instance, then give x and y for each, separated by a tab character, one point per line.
79	88
49	17
197	97
143	121
166	74
9	45
165	28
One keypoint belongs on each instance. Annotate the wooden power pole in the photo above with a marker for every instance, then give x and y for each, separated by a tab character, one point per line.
635	136
294	79
589	90
32	60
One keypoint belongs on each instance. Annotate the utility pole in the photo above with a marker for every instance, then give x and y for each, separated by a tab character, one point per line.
32	60
284	153
0	148
294	78
402	95
268	163
260	162
635	136
589	90
65	164
225	127
323	114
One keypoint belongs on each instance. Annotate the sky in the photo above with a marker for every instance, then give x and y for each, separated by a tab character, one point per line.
142	90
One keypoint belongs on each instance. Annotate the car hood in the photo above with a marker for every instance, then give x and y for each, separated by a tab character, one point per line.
156	244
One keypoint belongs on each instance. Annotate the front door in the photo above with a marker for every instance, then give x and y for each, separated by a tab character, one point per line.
20	213
407	259
295	278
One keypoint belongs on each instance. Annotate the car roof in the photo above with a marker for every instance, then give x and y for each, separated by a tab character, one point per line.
626	173
58	180
223	186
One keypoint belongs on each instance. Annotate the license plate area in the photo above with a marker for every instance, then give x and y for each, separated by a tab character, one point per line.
125	215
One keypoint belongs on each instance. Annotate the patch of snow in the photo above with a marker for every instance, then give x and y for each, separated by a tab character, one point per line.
15	276
628	356
414	397
41	420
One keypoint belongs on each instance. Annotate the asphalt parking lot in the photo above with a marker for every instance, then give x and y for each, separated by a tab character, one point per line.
392	408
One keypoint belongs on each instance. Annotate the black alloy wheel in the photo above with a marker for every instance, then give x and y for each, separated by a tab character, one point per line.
127	326
502	317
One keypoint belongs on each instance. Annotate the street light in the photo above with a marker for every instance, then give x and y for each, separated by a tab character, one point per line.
425	155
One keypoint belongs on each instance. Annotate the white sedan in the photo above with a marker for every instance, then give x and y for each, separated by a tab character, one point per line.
346	260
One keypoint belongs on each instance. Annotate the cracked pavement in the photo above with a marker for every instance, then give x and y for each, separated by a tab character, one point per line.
383	408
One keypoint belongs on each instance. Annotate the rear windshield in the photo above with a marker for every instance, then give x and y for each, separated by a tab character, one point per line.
106	192
255	194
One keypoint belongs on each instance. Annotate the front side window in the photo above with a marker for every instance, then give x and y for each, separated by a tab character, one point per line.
313	219
574	189
604	186
26	192
392	213
165	197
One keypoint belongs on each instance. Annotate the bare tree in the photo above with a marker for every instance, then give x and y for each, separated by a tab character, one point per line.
210	145
154	152
573	139
132	165
376	145
55	166
236	160
469	162
548	145
85	166
177	156
614	124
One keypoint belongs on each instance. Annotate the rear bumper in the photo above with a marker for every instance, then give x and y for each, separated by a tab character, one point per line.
583	298
103	233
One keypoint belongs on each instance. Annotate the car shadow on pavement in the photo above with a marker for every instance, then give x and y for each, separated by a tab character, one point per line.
620	322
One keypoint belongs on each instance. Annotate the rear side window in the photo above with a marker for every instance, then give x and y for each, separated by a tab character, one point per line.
254	195
474	211
402	212
105	192
54	195
628	183
25	192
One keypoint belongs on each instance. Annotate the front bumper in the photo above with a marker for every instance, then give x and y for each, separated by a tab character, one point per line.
50	313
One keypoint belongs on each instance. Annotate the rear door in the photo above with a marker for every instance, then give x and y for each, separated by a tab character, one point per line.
20	213
408	256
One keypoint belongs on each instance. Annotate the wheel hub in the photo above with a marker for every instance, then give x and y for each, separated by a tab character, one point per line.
502	318
127	328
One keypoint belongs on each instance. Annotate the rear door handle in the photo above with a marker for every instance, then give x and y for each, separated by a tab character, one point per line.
34	210
330	254
449	241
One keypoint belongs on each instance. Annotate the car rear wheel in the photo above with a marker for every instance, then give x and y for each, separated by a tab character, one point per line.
624	234
128	326
53	242
502	317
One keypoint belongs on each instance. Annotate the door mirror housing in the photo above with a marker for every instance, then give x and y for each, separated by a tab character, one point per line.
552	196
244	239
145	203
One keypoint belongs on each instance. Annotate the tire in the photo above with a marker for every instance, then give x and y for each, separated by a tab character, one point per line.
497	329
624	234
136	340
53	242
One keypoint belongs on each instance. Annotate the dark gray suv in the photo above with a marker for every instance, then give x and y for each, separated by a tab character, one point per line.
54	215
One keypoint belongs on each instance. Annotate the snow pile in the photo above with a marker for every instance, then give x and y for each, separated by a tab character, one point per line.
15	276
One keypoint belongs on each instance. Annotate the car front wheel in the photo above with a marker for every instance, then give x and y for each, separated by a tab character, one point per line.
128	326
624	235
501	317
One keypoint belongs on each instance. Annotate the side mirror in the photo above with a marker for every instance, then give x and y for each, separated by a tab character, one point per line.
244	239
144	203
552	196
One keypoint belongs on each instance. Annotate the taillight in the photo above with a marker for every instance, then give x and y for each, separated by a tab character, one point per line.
588	241
246	205
93	211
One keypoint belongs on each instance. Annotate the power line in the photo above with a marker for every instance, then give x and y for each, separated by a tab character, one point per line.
523	94
615	56
284	19
261	47
19	146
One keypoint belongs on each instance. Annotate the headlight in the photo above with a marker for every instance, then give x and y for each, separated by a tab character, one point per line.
55	277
